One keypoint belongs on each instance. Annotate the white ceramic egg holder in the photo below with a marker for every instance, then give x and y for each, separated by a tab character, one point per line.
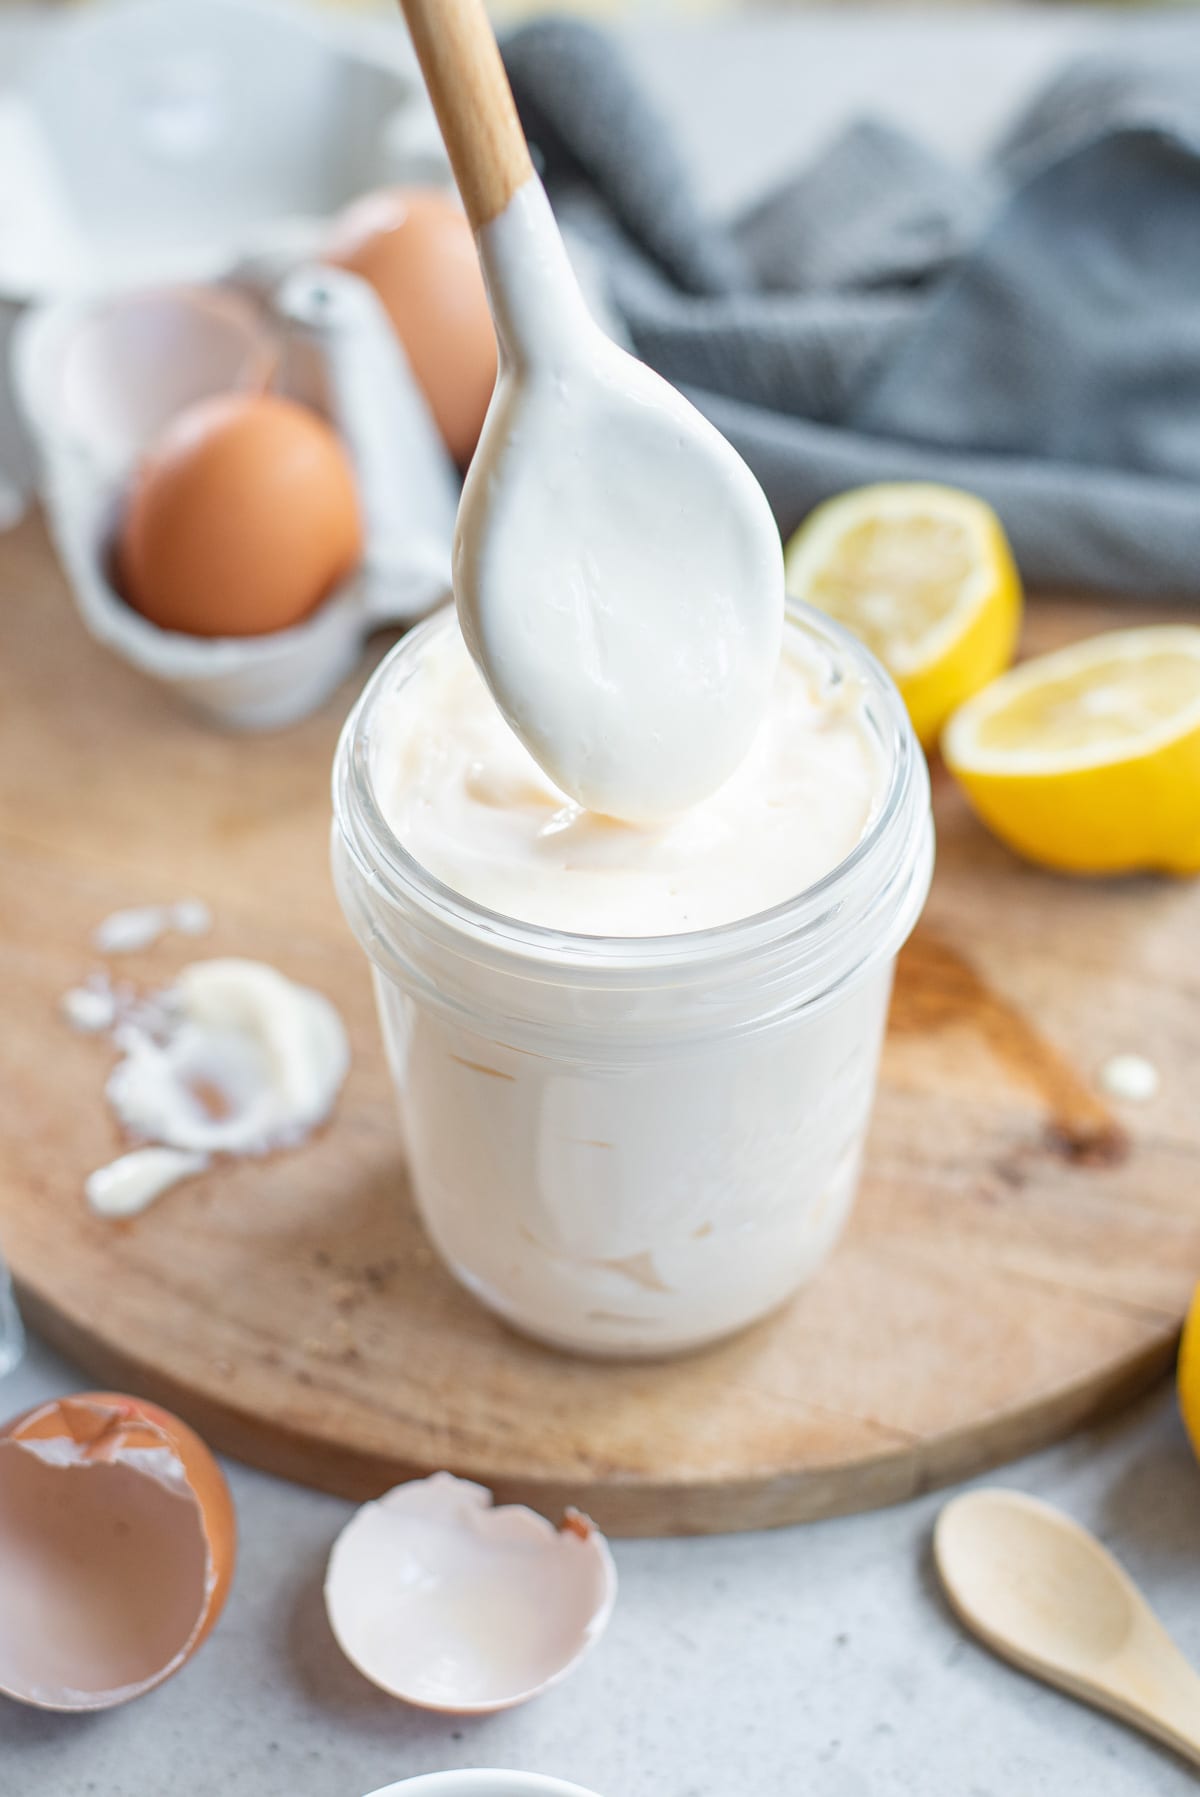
97	380
157	141
144	141
163	140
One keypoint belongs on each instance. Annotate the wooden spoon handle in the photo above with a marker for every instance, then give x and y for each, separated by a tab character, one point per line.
460	60
1155	1688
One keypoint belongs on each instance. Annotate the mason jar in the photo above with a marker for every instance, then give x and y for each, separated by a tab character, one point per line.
633	1146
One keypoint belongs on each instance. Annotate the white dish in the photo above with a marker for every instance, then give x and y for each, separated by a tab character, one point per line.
482	1784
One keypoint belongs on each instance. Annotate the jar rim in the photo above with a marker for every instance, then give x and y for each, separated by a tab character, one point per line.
895	836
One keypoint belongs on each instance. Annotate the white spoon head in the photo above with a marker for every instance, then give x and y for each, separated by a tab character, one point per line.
617	569
1033	1584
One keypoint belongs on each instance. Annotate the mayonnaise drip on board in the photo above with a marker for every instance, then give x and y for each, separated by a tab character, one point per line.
232	1059
246	1061
617	570
473	807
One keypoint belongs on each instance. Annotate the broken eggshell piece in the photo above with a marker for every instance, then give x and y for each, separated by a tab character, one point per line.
451	1604
117	1547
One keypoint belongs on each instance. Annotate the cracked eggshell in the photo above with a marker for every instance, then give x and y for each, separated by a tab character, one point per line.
117	1547
482	1784
453	1605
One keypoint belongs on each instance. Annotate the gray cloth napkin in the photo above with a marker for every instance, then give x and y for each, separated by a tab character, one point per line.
1030	331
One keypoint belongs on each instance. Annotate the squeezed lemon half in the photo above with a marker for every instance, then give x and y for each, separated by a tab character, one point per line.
925	577
1088	759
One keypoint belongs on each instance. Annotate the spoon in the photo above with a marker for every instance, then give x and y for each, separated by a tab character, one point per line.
617	570
1043	1593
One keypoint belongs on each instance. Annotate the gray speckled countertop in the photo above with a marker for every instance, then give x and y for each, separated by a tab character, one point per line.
815	1662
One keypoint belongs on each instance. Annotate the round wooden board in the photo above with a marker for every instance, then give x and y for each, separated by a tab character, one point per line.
1020	1256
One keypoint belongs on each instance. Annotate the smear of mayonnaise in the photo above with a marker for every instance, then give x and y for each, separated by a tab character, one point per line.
249	1061
131	1182
90	1009
1131	1077
617	570
141	926
233	1059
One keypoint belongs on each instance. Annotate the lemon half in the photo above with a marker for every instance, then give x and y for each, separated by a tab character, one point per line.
925	577
1187	1377
1088	759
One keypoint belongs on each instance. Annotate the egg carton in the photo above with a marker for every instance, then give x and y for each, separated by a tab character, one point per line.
144	141
97	379
164	140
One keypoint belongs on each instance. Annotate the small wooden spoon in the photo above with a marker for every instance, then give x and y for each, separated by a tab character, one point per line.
1043	1593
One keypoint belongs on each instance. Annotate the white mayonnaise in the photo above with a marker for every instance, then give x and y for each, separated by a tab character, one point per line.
473	807
90	1009
1131	1077
633	1146
234	1058
248	1061
617	570
134	1180
141	926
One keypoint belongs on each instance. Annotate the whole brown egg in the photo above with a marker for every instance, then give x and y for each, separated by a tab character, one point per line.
414	246
243	517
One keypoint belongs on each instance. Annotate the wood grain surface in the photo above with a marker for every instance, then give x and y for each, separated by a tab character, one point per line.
1020	1258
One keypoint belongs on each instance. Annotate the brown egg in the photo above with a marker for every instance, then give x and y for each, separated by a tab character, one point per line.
414	245
117	1546
242	518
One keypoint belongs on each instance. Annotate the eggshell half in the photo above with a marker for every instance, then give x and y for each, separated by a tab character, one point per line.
453	1605
117	1547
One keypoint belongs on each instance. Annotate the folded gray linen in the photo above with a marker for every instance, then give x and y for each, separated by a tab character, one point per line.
1030	330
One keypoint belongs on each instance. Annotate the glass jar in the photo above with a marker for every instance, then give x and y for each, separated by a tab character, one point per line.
632	1146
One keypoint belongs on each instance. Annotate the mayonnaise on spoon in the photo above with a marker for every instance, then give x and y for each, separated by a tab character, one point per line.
617	570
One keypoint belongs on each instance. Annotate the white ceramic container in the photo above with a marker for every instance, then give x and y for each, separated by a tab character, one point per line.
98	378
145	141
482	1784
161	140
